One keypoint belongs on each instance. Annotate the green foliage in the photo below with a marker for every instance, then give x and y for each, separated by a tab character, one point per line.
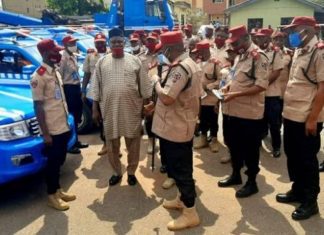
76	7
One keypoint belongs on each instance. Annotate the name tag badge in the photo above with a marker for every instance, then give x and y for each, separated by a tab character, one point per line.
58	94
75	76
219	94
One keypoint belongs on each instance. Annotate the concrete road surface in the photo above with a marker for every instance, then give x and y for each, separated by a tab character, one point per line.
121	209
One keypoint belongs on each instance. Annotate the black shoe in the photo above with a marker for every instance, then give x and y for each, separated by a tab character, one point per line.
229	181
115	179
81	145
305	211
288	197
74	150
163	169
321	167
132	180
276	153
247	190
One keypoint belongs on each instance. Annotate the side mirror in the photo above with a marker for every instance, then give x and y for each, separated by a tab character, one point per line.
29	69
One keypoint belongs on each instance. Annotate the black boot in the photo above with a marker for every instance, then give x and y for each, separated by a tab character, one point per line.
247	190
81	145
233	179
305	210
288	197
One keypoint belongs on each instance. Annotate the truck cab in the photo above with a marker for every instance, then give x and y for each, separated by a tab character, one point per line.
21	143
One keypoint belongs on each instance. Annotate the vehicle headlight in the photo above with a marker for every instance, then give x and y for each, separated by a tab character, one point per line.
14	131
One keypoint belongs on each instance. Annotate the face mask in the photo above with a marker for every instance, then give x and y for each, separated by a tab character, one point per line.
135	48
117	52
295	39
73	49
203	63
55	59
163	60
219	42
101	49
150	46
101	54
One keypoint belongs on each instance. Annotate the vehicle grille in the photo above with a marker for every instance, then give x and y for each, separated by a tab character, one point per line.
34	127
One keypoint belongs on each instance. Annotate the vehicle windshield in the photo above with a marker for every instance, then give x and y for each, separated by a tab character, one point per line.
85	44
32	50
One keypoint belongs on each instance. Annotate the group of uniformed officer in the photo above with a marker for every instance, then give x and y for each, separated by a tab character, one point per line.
192	79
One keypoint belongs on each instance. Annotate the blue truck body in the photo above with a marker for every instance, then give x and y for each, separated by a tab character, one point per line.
21	143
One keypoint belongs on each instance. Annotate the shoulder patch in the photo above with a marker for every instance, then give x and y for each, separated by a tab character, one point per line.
41	70
255	54
276	49
90	50
34	83
176	77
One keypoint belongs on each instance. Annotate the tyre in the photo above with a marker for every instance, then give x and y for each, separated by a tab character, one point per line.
85	126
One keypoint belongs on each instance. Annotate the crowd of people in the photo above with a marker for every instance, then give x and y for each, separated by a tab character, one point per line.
177	84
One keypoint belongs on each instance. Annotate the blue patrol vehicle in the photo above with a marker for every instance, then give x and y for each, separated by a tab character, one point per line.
21	143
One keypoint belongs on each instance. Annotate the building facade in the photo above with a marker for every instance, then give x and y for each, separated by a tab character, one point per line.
27	7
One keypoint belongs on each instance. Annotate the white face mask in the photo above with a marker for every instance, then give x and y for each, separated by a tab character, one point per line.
203	63
73	49
135	48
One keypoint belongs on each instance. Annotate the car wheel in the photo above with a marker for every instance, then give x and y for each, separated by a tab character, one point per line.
85	125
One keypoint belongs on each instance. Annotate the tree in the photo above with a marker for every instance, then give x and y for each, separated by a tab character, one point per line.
76	7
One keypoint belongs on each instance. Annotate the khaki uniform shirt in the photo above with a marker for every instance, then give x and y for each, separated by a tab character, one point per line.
300	92
219	54
284	74
275	63
210	77
226	76
69	69
149	62
252	106
177	122
90	62
47	86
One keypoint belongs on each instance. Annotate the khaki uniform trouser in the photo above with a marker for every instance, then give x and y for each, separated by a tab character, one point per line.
133	149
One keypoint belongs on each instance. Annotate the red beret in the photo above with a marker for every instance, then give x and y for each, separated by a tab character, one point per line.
100	37
158	31
48	45
164	30
158	47
170	38
68	39
264	32
204	44
139	32
236	33
302	20
176	28
134	37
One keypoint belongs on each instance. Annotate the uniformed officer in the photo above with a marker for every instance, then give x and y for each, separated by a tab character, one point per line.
174	121
245	101
72	88
209	35
188	32
51	111
208	113
303	117
272	114
136	46
221	34
89	64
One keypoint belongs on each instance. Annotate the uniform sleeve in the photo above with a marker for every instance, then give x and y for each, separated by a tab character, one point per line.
146	85
278	62
95	83
176	81
319	66
86	64
262	72
62	66
37	85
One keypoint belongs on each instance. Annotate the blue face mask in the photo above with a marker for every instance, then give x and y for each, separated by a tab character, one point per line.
295	39
163	60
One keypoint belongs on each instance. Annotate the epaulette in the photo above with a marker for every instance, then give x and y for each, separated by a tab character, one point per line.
91	50
215	61
152	65
320	45
255	54
226	65
276	49
41	70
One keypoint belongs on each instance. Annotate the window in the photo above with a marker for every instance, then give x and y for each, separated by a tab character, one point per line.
218	1
286	20
27	9
12	61
255	23
182	19
231	2
154	8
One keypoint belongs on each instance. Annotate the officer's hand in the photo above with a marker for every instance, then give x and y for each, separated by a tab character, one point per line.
225	89
311	127
149	109
97	119
229	96
48	141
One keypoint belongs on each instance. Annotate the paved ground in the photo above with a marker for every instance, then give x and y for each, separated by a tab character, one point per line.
122	209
